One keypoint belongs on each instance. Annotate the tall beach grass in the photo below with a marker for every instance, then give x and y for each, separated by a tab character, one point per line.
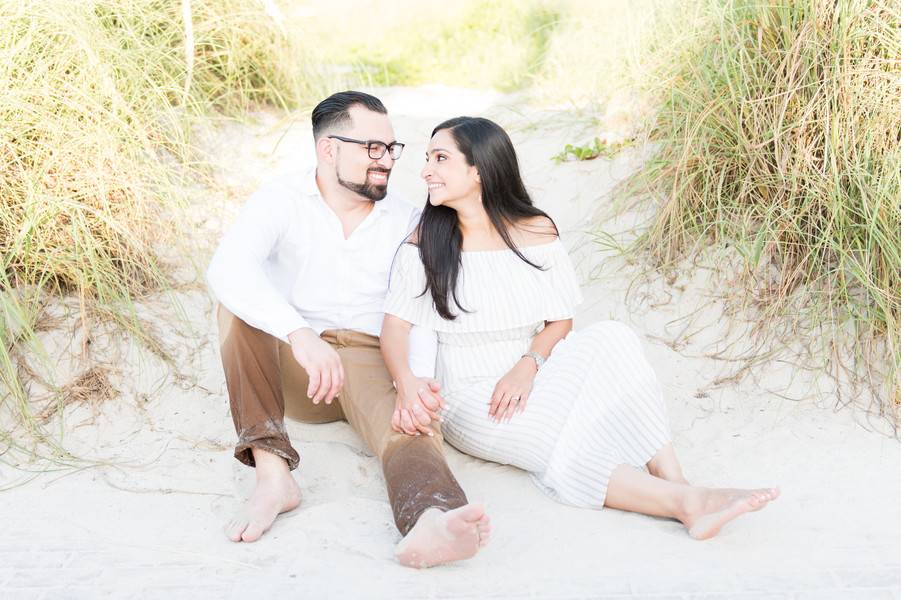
95	117
780	137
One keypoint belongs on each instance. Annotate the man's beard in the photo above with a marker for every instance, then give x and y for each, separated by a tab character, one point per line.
370	191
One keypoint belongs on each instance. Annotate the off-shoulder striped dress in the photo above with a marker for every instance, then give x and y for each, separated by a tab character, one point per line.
595	404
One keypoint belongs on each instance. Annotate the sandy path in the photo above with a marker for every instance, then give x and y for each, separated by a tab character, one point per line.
155	530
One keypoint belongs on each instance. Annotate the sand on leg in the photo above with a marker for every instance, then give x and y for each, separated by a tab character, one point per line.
430	509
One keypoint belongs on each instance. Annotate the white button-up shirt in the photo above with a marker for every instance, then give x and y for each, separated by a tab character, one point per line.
284	264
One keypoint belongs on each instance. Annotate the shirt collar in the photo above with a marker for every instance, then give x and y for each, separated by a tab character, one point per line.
311	189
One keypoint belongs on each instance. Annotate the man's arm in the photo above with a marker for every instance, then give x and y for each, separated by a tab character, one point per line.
236	273
238	280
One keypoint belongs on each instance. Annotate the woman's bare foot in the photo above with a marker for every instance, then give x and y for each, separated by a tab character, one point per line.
442	537
709	509
276	492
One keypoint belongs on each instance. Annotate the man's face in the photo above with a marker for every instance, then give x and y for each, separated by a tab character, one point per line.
355	170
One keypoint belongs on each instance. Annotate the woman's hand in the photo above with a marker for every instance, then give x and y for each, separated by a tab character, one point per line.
417	405
512	391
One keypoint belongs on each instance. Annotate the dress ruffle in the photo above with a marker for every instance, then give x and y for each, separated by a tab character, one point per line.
500	289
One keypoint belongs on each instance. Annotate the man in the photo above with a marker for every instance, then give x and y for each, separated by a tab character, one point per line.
301	277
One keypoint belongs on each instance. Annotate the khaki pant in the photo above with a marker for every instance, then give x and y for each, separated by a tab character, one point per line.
263	377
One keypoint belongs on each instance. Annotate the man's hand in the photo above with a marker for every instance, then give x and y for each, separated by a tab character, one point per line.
418	403
321	362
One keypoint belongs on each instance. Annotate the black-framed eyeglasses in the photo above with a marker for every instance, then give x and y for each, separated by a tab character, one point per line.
376	148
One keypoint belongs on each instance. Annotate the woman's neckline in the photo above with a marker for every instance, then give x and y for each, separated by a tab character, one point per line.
507	249
497	250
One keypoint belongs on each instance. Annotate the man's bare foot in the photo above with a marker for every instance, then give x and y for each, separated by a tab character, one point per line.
270	498
710	509
276	492
442	537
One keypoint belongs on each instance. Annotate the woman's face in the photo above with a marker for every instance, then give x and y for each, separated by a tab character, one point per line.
449	177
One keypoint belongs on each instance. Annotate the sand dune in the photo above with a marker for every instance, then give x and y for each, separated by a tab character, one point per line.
150	524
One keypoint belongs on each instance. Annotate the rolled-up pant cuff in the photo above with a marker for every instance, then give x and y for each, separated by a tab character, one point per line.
243	451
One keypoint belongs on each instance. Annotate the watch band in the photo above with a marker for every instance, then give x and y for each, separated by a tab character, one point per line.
539	360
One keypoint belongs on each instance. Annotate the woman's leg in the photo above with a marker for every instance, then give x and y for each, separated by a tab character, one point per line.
665	465
703	511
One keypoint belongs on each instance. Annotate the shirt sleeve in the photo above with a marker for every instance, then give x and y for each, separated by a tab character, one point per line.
415	215
563	290
402	302
236	273
405	299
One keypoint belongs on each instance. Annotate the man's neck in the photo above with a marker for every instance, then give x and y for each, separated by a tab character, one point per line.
349	207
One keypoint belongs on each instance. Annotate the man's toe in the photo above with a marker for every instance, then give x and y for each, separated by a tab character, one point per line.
236	527
253	532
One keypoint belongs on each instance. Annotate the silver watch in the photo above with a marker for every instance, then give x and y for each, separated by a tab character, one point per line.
539	360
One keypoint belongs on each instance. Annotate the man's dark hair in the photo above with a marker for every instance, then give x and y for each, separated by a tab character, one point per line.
334	110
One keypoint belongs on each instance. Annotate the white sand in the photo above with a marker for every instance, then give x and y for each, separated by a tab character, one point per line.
151	526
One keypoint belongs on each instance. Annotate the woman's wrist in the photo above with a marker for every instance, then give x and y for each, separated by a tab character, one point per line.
536	358
528	365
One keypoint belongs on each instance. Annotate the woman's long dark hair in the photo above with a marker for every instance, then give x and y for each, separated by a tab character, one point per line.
488	148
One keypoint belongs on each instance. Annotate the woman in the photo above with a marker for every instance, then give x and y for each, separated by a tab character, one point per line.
582	412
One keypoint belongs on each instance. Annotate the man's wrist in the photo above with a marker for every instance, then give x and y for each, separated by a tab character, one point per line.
302	336
297	334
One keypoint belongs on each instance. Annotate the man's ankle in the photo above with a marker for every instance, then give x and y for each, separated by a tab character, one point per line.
269	465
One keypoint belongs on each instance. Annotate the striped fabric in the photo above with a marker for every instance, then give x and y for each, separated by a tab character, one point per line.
595	404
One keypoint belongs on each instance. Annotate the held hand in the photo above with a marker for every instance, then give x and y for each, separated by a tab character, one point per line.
418	403
512	391
321	362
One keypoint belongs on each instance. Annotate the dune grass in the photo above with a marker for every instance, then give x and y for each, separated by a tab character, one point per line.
99	98
778	134
780	137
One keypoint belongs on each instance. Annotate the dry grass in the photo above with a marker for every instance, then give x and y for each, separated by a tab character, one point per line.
92	388
779	138
99	99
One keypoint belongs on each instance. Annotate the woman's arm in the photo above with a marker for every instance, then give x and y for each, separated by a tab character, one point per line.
418	401
517	383
544	342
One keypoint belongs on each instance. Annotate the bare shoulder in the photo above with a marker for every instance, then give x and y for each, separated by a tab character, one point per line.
534	231
413	237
